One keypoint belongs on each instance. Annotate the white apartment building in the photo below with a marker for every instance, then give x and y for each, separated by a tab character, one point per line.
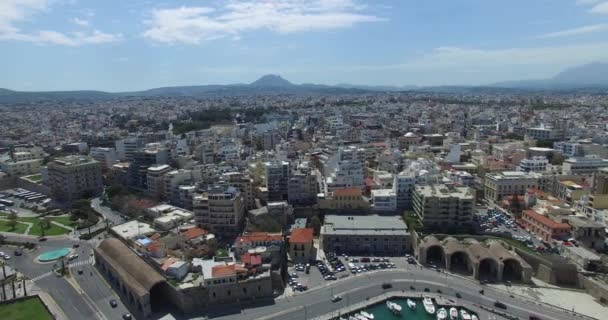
155	180
244	184
220	210
21	168
173	180
126	148
345	169
586	165
441	207
302	186
534	164
74	177
508	183
569	148
106	156
384	200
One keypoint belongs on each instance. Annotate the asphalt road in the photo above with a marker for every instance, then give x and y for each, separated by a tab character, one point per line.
114	217
86	298
316	302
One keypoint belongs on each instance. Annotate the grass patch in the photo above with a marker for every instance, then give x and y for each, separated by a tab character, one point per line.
35	178
53	230
19	228
30	309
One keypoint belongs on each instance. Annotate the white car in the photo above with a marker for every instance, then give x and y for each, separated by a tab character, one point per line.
72	256
6	257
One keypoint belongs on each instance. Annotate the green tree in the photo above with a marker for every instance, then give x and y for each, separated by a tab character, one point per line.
316	224
115	190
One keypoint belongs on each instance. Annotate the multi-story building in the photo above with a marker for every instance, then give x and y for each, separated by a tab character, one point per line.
569	148
345	170
365	235
220	210
403	185
301	248
534	164
126	148
155	180
384	200
544	133
600	181
105	156
172	181
587	232
74	177
142	160
302	186
543	226
244	183
350	199
584	165
269	245
21	168
277	176
443	207
508	183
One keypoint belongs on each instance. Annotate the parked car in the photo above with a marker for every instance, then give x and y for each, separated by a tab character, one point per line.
386	286
113	303
500	305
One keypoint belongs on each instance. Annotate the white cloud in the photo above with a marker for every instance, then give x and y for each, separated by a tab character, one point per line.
196	24
587	2
601	8
81	22
575	31
13	12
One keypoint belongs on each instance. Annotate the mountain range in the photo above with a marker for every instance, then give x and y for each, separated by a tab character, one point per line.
591	77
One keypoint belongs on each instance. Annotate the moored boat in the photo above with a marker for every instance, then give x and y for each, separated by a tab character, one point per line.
453	313
367	315
411	304
464	315
474	317
442	314
393	307
429	306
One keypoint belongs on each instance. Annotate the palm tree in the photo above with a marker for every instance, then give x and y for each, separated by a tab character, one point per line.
3	278
12	221
13	286
23	284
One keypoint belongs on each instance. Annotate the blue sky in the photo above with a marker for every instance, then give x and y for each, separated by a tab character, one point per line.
118	45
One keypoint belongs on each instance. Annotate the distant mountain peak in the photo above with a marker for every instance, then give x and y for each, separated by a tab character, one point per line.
271	80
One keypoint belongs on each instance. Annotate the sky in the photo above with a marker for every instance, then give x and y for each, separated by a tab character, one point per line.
118	45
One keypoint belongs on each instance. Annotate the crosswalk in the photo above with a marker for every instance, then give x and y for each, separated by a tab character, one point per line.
91	260
42	276
82	262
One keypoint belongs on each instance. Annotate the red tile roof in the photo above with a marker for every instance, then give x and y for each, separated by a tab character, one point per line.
222	271
258	237
545	220
194	233
301	235
251	259
168	263
347	192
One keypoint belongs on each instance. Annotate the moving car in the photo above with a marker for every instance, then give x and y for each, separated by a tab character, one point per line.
113	303
500	305
386	286
336	298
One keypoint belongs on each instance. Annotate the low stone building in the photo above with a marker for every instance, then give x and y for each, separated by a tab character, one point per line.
492	262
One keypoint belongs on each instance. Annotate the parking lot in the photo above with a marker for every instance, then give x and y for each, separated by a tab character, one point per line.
331	267
22	201
494	221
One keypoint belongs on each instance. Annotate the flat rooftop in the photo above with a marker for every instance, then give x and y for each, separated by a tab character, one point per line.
364	225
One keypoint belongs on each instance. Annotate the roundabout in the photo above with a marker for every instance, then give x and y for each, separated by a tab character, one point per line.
53	255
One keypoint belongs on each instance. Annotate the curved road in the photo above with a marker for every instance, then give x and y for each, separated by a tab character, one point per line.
316	302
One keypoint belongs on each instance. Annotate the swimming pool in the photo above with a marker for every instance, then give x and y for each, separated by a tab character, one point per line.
53	255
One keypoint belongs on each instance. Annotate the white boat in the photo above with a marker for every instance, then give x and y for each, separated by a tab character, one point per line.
360	316
367	315
442	314
411	304
453	313
474	317
465	315
352	318
394	308
429	306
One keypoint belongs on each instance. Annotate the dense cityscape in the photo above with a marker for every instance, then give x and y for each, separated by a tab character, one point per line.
303	160
288	206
